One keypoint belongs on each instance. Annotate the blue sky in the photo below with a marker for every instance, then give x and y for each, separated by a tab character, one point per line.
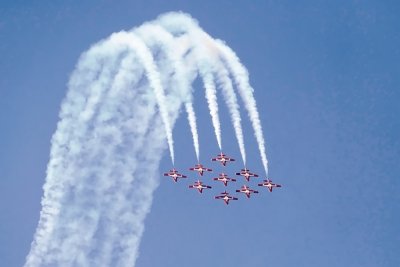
326	80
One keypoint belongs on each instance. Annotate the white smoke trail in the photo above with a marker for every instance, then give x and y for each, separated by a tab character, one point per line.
110	133
193	127
93	156
210	67
233	106
182	23
152	74
154	35
65	144
241	77
211	96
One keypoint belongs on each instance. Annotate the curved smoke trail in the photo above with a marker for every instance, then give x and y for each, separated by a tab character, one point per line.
180	23
108	134
233	106
154	35
210	51
113	125
241	77
193	128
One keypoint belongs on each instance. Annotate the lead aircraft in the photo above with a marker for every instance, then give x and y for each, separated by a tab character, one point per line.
200	186
246	174
247	191
225	197
269	184
223	159
224	179
174	174
200	168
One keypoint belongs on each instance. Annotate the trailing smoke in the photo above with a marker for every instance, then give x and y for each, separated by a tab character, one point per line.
241	77
123	99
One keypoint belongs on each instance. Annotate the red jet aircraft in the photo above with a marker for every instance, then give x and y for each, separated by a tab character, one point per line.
224	178
246	174
199	186
269	184
226	197
200	168
223	159
174	175
246	190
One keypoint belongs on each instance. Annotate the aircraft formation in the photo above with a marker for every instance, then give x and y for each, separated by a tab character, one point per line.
224	178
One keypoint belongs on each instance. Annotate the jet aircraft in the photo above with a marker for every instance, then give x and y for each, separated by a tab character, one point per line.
246	174
246	190
223	159
225	197
224	178
200	168
199	186
269	184
174	175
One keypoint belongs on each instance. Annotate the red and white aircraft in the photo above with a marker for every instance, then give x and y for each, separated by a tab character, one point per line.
269	184
174	175
246	174
224	178
246	190
226	197
199	186
200	168
223	159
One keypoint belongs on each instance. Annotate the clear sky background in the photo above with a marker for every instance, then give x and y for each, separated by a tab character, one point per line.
326	78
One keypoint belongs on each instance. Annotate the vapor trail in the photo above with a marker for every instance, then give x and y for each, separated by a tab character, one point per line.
157	37
211	96
123	99
178	23
233	107
152	74
95	159
61	169
193	127
241	78
210	68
